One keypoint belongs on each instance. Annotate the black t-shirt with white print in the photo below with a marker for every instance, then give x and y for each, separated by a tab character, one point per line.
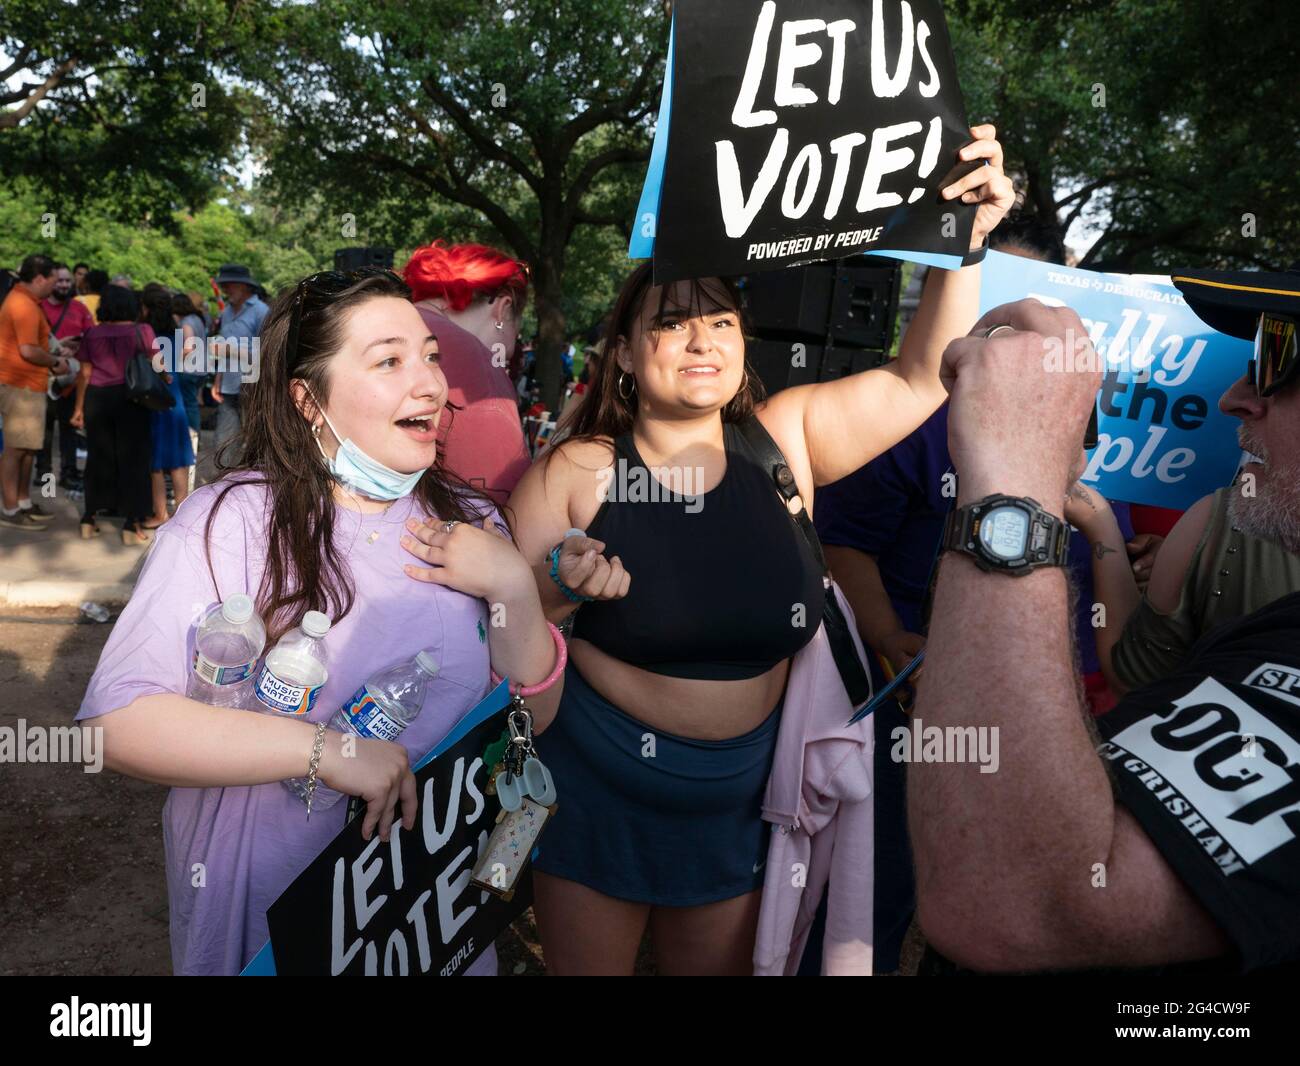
1207	760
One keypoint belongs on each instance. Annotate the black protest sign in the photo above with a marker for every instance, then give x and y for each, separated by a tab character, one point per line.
405	906
809	129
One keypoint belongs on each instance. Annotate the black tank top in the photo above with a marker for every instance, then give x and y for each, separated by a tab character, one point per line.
724	585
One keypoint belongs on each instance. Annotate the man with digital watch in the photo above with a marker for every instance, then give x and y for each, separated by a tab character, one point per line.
1160	846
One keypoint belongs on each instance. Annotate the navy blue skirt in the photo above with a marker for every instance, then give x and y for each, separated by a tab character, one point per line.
678	828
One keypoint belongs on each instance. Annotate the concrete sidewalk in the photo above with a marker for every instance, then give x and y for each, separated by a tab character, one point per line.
56	568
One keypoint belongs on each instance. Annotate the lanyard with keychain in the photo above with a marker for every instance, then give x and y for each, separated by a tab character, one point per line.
523	784
527	794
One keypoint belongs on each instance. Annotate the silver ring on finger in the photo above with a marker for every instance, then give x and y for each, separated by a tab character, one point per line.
449	525
993	331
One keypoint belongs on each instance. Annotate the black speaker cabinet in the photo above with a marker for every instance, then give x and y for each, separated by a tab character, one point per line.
780	364
356	258
846	303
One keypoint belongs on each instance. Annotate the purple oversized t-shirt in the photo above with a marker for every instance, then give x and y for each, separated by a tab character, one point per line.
231	851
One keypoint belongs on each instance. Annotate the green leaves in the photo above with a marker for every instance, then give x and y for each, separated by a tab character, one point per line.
127	105
1198	130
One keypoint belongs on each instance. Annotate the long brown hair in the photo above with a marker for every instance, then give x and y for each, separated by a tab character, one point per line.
304	569
604	411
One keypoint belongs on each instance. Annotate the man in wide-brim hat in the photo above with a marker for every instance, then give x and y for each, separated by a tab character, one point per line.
238	327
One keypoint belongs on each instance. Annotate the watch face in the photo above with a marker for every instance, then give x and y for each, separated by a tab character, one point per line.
1004	532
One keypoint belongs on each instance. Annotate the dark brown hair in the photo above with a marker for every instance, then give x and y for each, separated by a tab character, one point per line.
604	412
304	570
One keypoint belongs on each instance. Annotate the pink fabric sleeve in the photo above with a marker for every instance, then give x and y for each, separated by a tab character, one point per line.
850	899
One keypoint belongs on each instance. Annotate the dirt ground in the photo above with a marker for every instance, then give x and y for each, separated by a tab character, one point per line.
82	889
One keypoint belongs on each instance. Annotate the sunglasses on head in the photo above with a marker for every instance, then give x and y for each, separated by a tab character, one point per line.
1275	359
324	283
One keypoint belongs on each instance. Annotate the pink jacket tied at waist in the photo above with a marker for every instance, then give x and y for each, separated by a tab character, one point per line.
819	799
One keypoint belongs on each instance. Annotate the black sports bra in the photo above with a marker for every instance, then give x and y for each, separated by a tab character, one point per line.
724	584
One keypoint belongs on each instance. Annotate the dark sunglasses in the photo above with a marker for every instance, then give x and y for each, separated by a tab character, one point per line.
1275	360
324	283
1090	435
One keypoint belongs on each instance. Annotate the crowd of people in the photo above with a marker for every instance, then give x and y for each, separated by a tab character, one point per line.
67	339
135	464
684	654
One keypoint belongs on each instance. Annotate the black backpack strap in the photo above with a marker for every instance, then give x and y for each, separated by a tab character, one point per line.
767	453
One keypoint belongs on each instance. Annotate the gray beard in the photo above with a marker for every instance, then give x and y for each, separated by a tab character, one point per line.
1273	513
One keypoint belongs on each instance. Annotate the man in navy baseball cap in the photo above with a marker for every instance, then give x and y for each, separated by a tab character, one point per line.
1258	306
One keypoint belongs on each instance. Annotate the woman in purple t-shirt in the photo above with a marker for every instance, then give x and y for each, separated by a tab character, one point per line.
338	471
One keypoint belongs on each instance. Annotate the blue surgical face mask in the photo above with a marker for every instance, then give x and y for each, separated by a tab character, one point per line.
358	471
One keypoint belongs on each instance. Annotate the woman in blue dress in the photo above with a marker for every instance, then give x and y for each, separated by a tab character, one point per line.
172	451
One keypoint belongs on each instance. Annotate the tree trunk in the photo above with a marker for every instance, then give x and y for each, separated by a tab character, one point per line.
551	340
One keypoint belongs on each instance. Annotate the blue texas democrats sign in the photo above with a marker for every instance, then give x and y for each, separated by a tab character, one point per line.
791	131
1162	439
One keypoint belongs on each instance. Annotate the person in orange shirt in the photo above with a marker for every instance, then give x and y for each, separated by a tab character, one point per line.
25	366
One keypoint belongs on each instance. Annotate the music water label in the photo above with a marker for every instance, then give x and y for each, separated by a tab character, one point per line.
221	675
284	697
368	719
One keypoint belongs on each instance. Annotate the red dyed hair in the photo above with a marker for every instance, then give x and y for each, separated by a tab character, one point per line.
460	273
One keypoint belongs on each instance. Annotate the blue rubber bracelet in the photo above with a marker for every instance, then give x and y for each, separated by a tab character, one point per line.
569	594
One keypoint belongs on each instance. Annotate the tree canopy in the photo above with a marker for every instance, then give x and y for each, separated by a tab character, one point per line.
124	104
1170	128
535	115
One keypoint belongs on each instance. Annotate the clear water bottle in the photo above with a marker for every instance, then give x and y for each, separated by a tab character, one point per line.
294	670
227	646
379	710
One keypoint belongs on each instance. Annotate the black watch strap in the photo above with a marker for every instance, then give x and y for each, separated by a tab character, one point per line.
1047	543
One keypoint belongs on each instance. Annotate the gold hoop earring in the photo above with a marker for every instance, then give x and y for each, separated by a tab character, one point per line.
628	395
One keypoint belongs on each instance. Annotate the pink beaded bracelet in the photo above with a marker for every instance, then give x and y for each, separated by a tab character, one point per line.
561	658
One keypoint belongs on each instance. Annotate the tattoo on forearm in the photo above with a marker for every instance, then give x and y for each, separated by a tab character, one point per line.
1101	550
1077	492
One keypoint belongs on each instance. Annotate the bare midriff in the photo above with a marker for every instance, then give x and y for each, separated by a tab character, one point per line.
701	710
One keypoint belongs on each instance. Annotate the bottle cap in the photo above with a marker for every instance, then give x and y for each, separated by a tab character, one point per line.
237	609
315	624
426	662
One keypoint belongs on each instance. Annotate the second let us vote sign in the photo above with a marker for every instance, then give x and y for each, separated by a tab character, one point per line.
1162	439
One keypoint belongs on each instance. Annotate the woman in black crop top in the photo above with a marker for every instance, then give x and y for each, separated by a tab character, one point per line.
700	589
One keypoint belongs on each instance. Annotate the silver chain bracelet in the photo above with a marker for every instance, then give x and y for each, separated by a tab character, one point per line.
316	751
